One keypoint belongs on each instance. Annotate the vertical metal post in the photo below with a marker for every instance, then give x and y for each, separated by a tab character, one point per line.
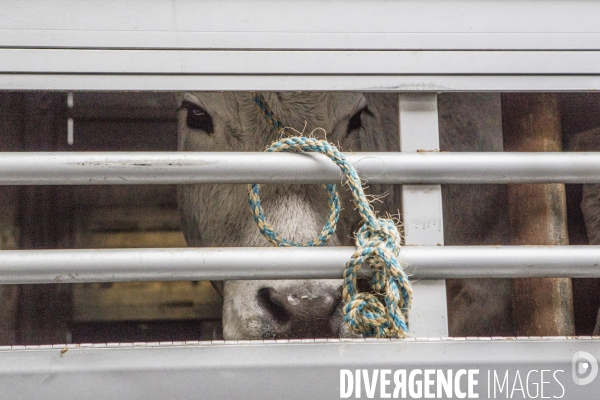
531	122
422	211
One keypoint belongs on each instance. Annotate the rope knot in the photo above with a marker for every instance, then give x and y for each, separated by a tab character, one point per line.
383	233
378	247
366	314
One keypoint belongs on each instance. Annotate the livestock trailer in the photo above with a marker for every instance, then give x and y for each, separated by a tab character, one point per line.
70	53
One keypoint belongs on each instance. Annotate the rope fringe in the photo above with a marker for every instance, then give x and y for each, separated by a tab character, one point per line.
378	246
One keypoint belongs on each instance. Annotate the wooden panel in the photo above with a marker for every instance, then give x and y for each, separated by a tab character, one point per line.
44	310
124	106
11	122
143	301
121	227
120	135
105	219
131	216
122	195
145	331
107	240
10	127
579	112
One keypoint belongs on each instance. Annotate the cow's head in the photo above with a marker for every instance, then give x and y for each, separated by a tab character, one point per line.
217	215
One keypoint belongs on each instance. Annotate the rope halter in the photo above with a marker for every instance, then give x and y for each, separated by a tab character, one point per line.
385	313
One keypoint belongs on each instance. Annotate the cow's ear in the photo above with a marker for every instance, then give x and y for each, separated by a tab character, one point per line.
355	122
379	131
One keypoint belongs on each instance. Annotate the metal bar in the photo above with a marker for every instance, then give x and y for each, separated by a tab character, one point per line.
81	38
244	17
424	262
305	369
186	24
422	210
363	83
288	62
103	168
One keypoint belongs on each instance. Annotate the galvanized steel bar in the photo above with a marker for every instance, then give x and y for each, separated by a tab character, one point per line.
304	369
104	168
424	262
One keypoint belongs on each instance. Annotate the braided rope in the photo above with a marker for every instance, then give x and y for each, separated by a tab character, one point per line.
378	245
260	102
274	238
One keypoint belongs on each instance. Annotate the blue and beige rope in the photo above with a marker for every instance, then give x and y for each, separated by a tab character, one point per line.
260	102
378	246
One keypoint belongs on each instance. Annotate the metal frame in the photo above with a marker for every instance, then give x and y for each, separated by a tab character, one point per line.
439	45
211	45
287	24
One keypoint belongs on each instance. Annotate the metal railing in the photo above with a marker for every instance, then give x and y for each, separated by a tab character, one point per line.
98	168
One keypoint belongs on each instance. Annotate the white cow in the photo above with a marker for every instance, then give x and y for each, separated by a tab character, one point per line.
218	215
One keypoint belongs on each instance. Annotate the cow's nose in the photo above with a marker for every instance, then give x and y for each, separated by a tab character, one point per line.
302	315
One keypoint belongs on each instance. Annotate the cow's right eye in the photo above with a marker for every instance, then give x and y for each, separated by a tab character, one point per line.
198	118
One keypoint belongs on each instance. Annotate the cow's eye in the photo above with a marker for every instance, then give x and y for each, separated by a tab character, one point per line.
355	122
198	118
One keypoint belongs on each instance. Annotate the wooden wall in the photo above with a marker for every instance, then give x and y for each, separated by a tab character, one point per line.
38	217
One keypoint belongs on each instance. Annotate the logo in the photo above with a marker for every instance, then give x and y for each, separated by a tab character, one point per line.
585	368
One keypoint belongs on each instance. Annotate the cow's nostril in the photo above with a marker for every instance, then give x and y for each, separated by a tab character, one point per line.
273	305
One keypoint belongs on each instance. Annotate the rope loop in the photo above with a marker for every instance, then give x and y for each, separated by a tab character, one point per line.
380	314
275	239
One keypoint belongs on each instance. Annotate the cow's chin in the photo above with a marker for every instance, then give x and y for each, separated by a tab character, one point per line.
283	309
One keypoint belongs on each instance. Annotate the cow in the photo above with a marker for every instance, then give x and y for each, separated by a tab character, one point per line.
589	140
217	215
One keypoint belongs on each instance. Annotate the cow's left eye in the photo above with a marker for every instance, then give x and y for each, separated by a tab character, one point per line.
355	122
198	118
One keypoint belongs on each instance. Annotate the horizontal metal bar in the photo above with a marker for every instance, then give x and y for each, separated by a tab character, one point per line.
64	51
424	262
363	83
303	369
309	62
61	38
188	24
98	168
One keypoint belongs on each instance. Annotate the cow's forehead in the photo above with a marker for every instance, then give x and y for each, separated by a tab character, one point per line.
325	104
308	113
311	110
